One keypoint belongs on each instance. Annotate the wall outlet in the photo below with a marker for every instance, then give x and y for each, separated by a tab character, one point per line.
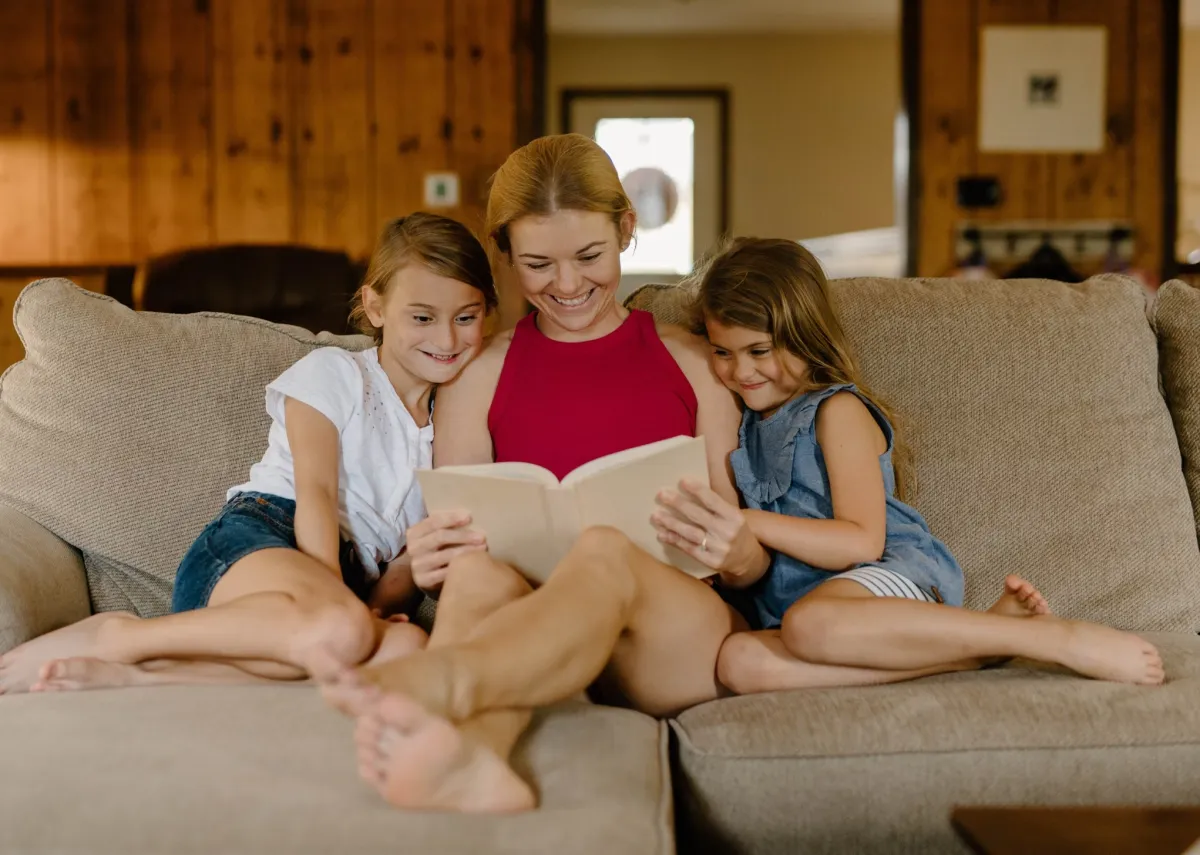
441	189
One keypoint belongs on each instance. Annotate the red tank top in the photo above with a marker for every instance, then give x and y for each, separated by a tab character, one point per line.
562	404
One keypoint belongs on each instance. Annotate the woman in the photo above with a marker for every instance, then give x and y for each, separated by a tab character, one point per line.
579	378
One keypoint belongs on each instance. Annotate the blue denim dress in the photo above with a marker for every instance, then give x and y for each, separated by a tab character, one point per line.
779	467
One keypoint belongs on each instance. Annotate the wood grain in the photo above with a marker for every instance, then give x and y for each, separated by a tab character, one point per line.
171	93
329	53
947	124
26	124
92	215
252	135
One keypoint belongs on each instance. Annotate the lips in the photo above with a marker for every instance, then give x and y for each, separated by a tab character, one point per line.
440	359
572	302
750	387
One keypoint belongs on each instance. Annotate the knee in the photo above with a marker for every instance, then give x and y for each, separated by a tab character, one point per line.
481	583
809	630
609	558
743	665
346	629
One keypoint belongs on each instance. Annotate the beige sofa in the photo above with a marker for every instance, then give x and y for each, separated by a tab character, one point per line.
1057	434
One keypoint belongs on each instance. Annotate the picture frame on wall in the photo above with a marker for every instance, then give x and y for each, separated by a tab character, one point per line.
1042	89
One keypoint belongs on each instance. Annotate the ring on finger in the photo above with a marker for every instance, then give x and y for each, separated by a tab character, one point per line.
704	544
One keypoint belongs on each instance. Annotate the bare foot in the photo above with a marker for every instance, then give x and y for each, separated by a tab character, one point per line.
81	672
1020	599
421	762
1104	653
20	667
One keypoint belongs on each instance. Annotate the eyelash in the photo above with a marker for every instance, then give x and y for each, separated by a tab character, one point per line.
542	265
461	319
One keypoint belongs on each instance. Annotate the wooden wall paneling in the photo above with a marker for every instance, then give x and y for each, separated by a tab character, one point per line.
1026	179
946	128
411	102
530	46
483	89
1098	186
251	134
329	52
171	100
1151	245
26	123
12	283
91	120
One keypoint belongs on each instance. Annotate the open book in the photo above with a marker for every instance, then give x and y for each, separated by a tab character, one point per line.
531	519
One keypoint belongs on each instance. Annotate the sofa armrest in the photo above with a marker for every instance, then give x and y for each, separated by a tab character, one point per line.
42	581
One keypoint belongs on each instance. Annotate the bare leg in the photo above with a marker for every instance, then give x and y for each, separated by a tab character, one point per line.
277	605
760	662
64	675
417	760
606	600
842	623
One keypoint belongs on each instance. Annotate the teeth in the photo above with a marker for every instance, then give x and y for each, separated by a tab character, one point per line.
574	301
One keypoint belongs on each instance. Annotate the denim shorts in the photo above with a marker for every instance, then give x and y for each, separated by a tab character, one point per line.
247	523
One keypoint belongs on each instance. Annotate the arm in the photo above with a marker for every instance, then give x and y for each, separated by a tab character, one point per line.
315	458
740	559
851	442
460	412
460	437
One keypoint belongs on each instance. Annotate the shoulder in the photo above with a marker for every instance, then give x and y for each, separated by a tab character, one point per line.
332	360
689	350
843	414
481	374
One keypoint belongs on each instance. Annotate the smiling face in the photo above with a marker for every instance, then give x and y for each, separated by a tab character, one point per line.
750	365
569	267
432	324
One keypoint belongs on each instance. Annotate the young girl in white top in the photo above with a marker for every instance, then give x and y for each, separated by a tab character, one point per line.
304	563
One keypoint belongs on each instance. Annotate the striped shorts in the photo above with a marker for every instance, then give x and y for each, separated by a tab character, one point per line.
886	583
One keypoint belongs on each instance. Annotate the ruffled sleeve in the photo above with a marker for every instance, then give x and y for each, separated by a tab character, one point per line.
764	460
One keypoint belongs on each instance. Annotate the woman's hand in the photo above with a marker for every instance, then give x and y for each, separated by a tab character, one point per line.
701	523
436	541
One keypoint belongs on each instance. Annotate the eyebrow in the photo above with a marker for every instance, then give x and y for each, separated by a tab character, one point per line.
474	305
591	245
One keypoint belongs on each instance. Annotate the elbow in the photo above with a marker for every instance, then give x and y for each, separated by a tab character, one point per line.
867	548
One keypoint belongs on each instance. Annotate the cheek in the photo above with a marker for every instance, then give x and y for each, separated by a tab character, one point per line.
532	281
606	272
471	336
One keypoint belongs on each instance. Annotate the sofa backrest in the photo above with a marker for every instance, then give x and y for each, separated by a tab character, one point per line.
1042	443
121	431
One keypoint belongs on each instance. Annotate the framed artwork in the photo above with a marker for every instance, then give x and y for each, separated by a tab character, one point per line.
1042	89
670	148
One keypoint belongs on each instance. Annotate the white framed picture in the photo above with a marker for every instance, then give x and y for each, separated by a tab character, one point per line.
1042	89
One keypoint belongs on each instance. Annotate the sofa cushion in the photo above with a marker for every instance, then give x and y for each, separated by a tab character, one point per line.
1177	317
1042	443
878	769
258	770
122	430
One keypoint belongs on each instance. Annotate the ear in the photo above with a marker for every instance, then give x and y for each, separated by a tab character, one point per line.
373	306
628	224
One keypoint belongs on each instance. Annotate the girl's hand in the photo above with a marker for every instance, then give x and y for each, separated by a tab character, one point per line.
436	541
699	522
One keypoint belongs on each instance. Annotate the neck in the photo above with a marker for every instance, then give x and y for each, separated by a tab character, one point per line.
601	326
413	392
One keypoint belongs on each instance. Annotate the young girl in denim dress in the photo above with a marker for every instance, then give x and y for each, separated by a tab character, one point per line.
856	589
305	568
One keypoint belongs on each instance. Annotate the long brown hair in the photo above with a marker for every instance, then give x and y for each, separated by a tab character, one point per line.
440	244
553	173
777	287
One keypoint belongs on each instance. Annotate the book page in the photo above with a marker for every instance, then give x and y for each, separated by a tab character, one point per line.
508	471
626	457
512	513
624	497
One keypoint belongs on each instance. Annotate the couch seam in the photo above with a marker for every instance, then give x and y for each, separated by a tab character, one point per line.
667	845
968	750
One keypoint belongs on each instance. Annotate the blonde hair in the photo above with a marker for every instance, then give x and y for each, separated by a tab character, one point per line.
442	245
554	173
777	287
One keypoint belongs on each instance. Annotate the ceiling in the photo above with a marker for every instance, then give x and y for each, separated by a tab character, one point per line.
715	16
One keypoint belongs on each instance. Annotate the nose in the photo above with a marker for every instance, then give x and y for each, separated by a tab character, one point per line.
446	337
570	282
743	369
